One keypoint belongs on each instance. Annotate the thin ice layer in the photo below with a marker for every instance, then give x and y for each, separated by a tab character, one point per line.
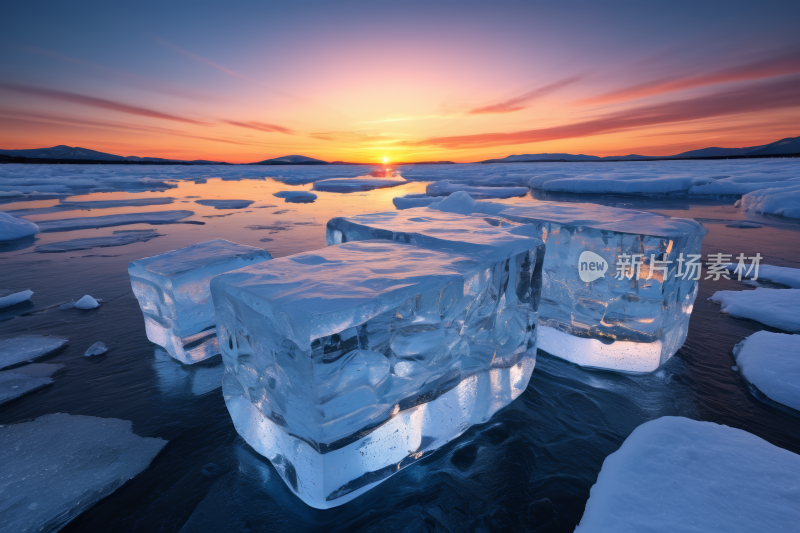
173	293
119	238
675	474
9	297
333	344
445	188
59	465
21	348
155	217
779	308
631	325
364	183
771	362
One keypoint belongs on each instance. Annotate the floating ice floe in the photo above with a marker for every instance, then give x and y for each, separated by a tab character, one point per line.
356	184
414	200
296	197
630	323
97	348
445	188
22	380
173	293
225	204
9	297
346	364
59	465
780	201
119	238
13	228
775	274
779	308
155	217
22	348
676	474
771	363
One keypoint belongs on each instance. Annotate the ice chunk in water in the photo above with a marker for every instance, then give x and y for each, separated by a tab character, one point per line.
346	364
97	348
20	381
676	474
86	303
173	292
59	465
9	297
12	228
630	325
15	350
771	363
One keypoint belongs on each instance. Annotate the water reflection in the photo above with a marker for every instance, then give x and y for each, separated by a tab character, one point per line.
175	378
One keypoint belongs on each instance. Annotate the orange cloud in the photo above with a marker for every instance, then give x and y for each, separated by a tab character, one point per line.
261	126
521	102
785	63
778	94
96	102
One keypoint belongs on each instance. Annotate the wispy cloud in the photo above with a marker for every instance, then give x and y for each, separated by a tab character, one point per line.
126	78
523	101
261	126
777	94
777	65
42	118
93	101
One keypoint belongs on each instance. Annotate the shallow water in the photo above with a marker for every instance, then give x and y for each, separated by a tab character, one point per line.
530	468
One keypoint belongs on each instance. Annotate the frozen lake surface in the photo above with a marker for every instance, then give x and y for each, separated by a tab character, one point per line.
530	468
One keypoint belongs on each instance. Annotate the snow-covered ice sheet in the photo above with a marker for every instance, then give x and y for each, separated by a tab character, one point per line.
225	204
59	465
173	293
119	238
771	362
296	197
364	183
414	200
779	201
346	364
779	308
9	297
633	324
678	475
20	348
445	188
12	228
155	217
783	275
22	380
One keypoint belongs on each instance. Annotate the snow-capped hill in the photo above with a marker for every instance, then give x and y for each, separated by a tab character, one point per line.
292	160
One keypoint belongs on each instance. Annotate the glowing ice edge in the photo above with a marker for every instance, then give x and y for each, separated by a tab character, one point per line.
620	356
321	479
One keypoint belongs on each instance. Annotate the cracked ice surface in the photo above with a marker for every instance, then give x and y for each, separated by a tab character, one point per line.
631	325
173	293
349	363
59	465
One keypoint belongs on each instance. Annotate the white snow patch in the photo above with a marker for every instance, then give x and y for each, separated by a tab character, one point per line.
674	474
771	362
779	308
87	302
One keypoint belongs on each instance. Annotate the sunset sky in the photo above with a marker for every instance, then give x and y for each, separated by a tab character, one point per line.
411	81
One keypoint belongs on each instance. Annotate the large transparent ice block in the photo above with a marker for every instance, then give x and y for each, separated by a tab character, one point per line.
173	293
346	364
633	324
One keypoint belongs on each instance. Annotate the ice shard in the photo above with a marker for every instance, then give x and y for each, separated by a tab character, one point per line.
173	293
629	319
346	364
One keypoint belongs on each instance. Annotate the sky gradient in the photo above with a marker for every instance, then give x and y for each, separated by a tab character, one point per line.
361	81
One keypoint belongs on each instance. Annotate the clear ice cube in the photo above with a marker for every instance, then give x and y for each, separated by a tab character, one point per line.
629	325
173	293
346	364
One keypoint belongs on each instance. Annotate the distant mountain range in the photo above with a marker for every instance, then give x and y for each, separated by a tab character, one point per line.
69	154
790	145
291	160
62	152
